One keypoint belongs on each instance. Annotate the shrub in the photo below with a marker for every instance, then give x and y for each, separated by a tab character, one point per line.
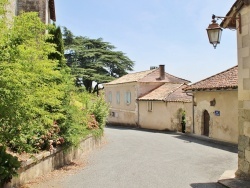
8	166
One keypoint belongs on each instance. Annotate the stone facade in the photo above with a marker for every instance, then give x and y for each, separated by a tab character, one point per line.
165	115
222	126
45	8
243	45
123	93
40	6
241	9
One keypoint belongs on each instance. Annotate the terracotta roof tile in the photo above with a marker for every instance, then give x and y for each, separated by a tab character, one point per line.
227	79
147	76
168	92
131	77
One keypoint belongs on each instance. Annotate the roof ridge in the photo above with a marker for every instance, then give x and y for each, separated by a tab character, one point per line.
149	72
181	84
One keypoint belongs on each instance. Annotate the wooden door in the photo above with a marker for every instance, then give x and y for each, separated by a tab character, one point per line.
206	123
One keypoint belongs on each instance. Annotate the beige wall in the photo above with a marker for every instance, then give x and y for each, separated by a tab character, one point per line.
223	127
122	113
165	115
243	44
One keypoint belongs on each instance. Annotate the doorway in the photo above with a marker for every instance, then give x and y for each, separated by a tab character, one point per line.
206	123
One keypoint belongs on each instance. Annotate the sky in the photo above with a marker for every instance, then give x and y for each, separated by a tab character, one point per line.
154	32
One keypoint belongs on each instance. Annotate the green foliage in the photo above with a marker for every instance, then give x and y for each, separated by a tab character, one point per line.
56	39
31	87
8	166
94	59
39	105
100	110
83	106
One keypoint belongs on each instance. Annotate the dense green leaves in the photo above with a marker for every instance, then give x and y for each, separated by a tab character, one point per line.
31	87
36	89
39	105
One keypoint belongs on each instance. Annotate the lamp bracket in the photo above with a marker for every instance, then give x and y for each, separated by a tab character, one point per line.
238	18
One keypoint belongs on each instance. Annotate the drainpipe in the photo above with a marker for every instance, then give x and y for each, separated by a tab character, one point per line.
188	94
138	107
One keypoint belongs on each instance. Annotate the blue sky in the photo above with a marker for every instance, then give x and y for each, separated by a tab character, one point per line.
154	32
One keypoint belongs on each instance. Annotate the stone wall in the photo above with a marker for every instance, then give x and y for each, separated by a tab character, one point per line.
223	127
49	161
165	115
243	45
122	112
40	6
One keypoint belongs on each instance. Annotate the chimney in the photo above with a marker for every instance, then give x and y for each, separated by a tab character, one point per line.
162	72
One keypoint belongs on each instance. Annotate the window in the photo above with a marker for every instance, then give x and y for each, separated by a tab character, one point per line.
110	97
150	106
128	97
118	97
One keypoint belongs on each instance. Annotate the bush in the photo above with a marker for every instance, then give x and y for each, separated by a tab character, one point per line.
39	106
8	166
100	110
86	114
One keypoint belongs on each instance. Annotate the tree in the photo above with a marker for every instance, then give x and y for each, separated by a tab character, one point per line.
56	39
94	60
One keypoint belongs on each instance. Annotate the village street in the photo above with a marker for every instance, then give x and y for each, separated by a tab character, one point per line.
134	158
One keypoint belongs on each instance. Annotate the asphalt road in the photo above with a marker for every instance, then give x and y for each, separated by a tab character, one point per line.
145	159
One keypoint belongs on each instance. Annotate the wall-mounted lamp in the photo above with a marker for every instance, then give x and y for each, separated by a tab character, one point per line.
214	30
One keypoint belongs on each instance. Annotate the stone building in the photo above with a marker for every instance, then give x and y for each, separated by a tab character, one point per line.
45	8
147	99
216	106
242	8
163	108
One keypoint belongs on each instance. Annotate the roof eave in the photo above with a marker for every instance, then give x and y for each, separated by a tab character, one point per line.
229	21
212	89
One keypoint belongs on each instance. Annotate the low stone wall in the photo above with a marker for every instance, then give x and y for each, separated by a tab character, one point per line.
49	161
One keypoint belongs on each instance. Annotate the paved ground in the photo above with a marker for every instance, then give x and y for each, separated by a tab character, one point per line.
144	159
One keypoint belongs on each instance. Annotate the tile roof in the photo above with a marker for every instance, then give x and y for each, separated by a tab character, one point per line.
147	76
168	92
131	77
227	79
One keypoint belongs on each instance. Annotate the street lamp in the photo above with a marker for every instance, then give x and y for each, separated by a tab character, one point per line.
214	32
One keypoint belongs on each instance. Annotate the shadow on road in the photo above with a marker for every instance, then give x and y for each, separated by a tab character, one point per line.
187	138
206	185
208	142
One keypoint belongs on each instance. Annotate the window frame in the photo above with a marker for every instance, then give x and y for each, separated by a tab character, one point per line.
150	106
128	97
110	96
118	97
